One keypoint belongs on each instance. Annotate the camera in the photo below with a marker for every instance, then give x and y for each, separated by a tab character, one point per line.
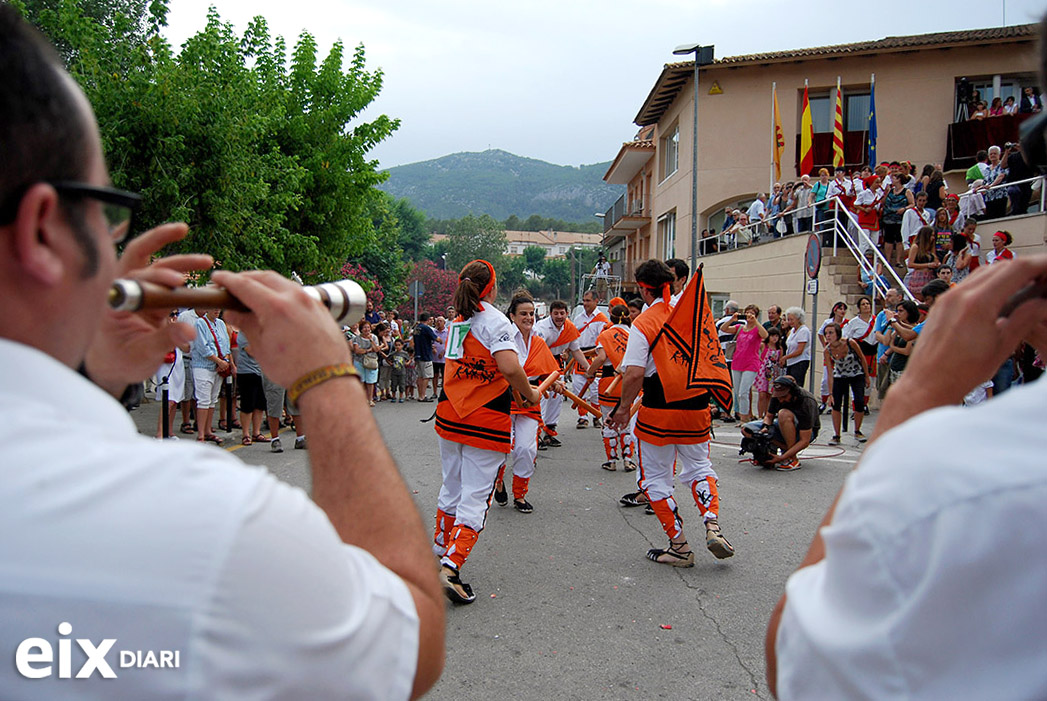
761	448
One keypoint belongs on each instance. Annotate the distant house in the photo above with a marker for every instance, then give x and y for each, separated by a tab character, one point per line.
555	243
918	80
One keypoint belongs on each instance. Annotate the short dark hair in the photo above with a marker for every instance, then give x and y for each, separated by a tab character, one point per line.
44	135
678	267
982	155
557	304
654	273
423	317
934	288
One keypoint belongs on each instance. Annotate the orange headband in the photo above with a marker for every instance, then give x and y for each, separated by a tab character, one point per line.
490	283
665	290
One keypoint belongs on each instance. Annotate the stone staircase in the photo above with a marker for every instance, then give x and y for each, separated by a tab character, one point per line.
843	269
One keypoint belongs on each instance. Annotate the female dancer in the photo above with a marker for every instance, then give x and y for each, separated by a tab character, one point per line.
472	420
610	347
538	363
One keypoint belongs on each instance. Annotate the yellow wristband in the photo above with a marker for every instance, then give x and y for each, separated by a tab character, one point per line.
318	377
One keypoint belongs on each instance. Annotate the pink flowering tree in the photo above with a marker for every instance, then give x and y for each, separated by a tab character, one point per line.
439	286
359	274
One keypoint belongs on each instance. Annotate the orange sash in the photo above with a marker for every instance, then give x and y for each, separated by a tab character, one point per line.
613	341
471	409
540	363
568	333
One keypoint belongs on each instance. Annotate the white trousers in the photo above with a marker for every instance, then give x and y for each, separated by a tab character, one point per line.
525	445
468	482
551	406
591	394
743	382
656	463
208	386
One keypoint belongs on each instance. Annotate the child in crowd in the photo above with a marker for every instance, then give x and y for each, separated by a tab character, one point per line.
398	372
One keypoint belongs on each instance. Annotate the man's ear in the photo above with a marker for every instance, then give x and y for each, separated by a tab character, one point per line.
36	245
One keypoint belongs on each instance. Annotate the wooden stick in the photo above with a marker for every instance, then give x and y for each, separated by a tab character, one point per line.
614	384
585	387
635	407
548	382
581	404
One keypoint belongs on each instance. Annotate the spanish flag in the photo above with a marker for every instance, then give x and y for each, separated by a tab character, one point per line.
687	352
838	128
779	139
806	136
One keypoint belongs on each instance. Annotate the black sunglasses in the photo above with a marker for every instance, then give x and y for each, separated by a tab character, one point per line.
118	205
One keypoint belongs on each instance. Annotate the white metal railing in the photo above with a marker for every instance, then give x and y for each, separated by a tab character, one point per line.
737	236
858	248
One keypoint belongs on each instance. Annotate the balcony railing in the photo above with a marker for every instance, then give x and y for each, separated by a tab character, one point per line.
624	207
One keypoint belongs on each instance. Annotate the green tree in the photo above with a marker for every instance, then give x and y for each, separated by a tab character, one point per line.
473	237
414	234
512	275
263	156
535	258
557	276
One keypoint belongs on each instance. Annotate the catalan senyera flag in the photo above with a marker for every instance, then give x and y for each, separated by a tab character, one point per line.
838	129
687	352
779	138
806	137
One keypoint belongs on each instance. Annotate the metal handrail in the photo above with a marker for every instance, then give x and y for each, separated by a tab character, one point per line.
857	251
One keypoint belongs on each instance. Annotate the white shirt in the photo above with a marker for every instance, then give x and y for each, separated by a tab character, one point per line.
756	211
638	350
856	328
796	337
550	332
178	547
936	566
913	221
592	331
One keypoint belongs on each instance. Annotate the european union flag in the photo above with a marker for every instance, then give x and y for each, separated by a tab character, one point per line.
872	126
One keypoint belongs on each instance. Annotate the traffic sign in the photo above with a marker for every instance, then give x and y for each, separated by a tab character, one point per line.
812	260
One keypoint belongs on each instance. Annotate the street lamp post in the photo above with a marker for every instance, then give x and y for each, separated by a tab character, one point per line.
703	55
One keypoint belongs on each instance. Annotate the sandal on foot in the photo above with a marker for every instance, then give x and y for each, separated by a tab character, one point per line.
610	465
454	588
633	499
715	541
246	440
523	506
260	438
630	466
212	438
500	495
221	426
675	557
187	428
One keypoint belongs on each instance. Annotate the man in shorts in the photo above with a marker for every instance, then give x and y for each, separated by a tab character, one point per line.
424	338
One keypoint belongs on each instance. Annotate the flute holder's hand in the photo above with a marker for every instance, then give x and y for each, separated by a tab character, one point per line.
129	347
291	333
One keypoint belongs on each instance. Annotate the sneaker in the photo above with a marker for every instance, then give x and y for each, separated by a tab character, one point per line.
860	436
275	447
715	541
299	443
610	465
500	495
835	440
597	423
554	442
821	408
456	590
630	466
400	400
633	499
790	465
522	506
582	423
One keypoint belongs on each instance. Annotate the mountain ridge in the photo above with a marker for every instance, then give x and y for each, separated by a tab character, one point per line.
502	184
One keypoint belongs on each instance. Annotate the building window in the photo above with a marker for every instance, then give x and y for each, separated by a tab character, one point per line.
985	88
671	152
667	234
855	111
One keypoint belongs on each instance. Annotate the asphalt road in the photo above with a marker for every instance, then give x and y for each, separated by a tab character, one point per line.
567	605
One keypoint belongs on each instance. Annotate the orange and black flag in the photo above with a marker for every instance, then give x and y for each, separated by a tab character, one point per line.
687	352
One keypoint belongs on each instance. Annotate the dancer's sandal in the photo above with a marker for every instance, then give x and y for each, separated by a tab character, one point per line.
454	588
672	556
715	541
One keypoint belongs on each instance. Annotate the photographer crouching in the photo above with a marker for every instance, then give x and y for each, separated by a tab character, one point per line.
790	425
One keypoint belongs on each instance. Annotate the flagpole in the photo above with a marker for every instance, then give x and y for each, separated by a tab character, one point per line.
868	125
774	142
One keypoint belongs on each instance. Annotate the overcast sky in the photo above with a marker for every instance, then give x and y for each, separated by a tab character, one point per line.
561	80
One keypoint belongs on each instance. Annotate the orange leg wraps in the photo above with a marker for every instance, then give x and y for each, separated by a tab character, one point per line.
442	534
707	497
463	539
610	446
520	487
665	510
